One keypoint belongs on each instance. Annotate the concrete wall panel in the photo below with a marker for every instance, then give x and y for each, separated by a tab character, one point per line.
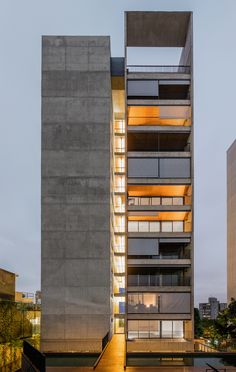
76	115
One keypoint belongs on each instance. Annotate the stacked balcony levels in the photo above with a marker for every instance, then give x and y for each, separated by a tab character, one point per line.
118	194
159	208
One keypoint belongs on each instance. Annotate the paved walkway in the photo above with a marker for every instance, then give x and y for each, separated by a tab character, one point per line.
113	361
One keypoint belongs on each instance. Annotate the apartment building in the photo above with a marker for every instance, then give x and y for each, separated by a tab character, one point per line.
211	309
117	190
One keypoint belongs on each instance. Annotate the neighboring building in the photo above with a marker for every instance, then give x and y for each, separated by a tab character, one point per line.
231	222
223	306
211	309
38	297
24	297
7	285
117	190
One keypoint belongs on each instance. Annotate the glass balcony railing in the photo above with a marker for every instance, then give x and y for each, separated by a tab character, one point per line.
156	226
156	200
158	68
161	256
153	280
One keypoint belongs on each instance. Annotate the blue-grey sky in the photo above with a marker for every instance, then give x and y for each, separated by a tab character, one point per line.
21	25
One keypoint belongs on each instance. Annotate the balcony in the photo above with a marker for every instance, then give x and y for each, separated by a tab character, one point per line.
159	69
158	142
152	303
143	226
146	252
157	280
158	89
149	117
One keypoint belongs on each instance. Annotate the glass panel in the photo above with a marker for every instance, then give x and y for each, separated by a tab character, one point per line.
154	280
139	167
132	329
144	201
143	88
143	329
150	301
178	330
166	326
178	226
166	226
143	226
132	226
166	279
166	201
132	280
142	247
143	280
178	201
175	279
154	329
175	167
154	226
155	201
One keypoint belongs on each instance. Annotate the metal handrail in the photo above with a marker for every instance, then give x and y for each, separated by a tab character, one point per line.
159	68
214	369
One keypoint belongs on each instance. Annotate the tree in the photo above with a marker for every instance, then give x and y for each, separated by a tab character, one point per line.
198	330
226	321
13	322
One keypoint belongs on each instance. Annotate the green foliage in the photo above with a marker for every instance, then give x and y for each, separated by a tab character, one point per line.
198	330
13	322
221	331
226	321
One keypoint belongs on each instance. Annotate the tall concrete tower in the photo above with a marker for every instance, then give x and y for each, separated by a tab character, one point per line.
117	190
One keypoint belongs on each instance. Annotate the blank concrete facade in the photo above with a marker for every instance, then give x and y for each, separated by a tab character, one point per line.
76	119
231	222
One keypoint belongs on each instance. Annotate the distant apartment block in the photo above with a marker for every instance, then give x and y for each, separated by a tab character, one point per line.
231	222
117	190
211	309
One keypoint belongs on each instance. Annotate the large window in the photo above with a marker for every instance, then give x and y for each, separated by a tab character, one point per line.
142	88
159	167
143	247
172	329
143	303
138	167
155	329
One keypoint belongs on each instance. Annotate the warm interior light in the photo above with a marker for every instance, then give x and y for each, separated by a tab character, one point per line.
162	115
162	190
161	216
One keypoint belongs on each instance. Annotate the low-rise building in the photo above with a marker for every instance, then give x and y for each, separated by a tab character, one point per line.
7	285
24	297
